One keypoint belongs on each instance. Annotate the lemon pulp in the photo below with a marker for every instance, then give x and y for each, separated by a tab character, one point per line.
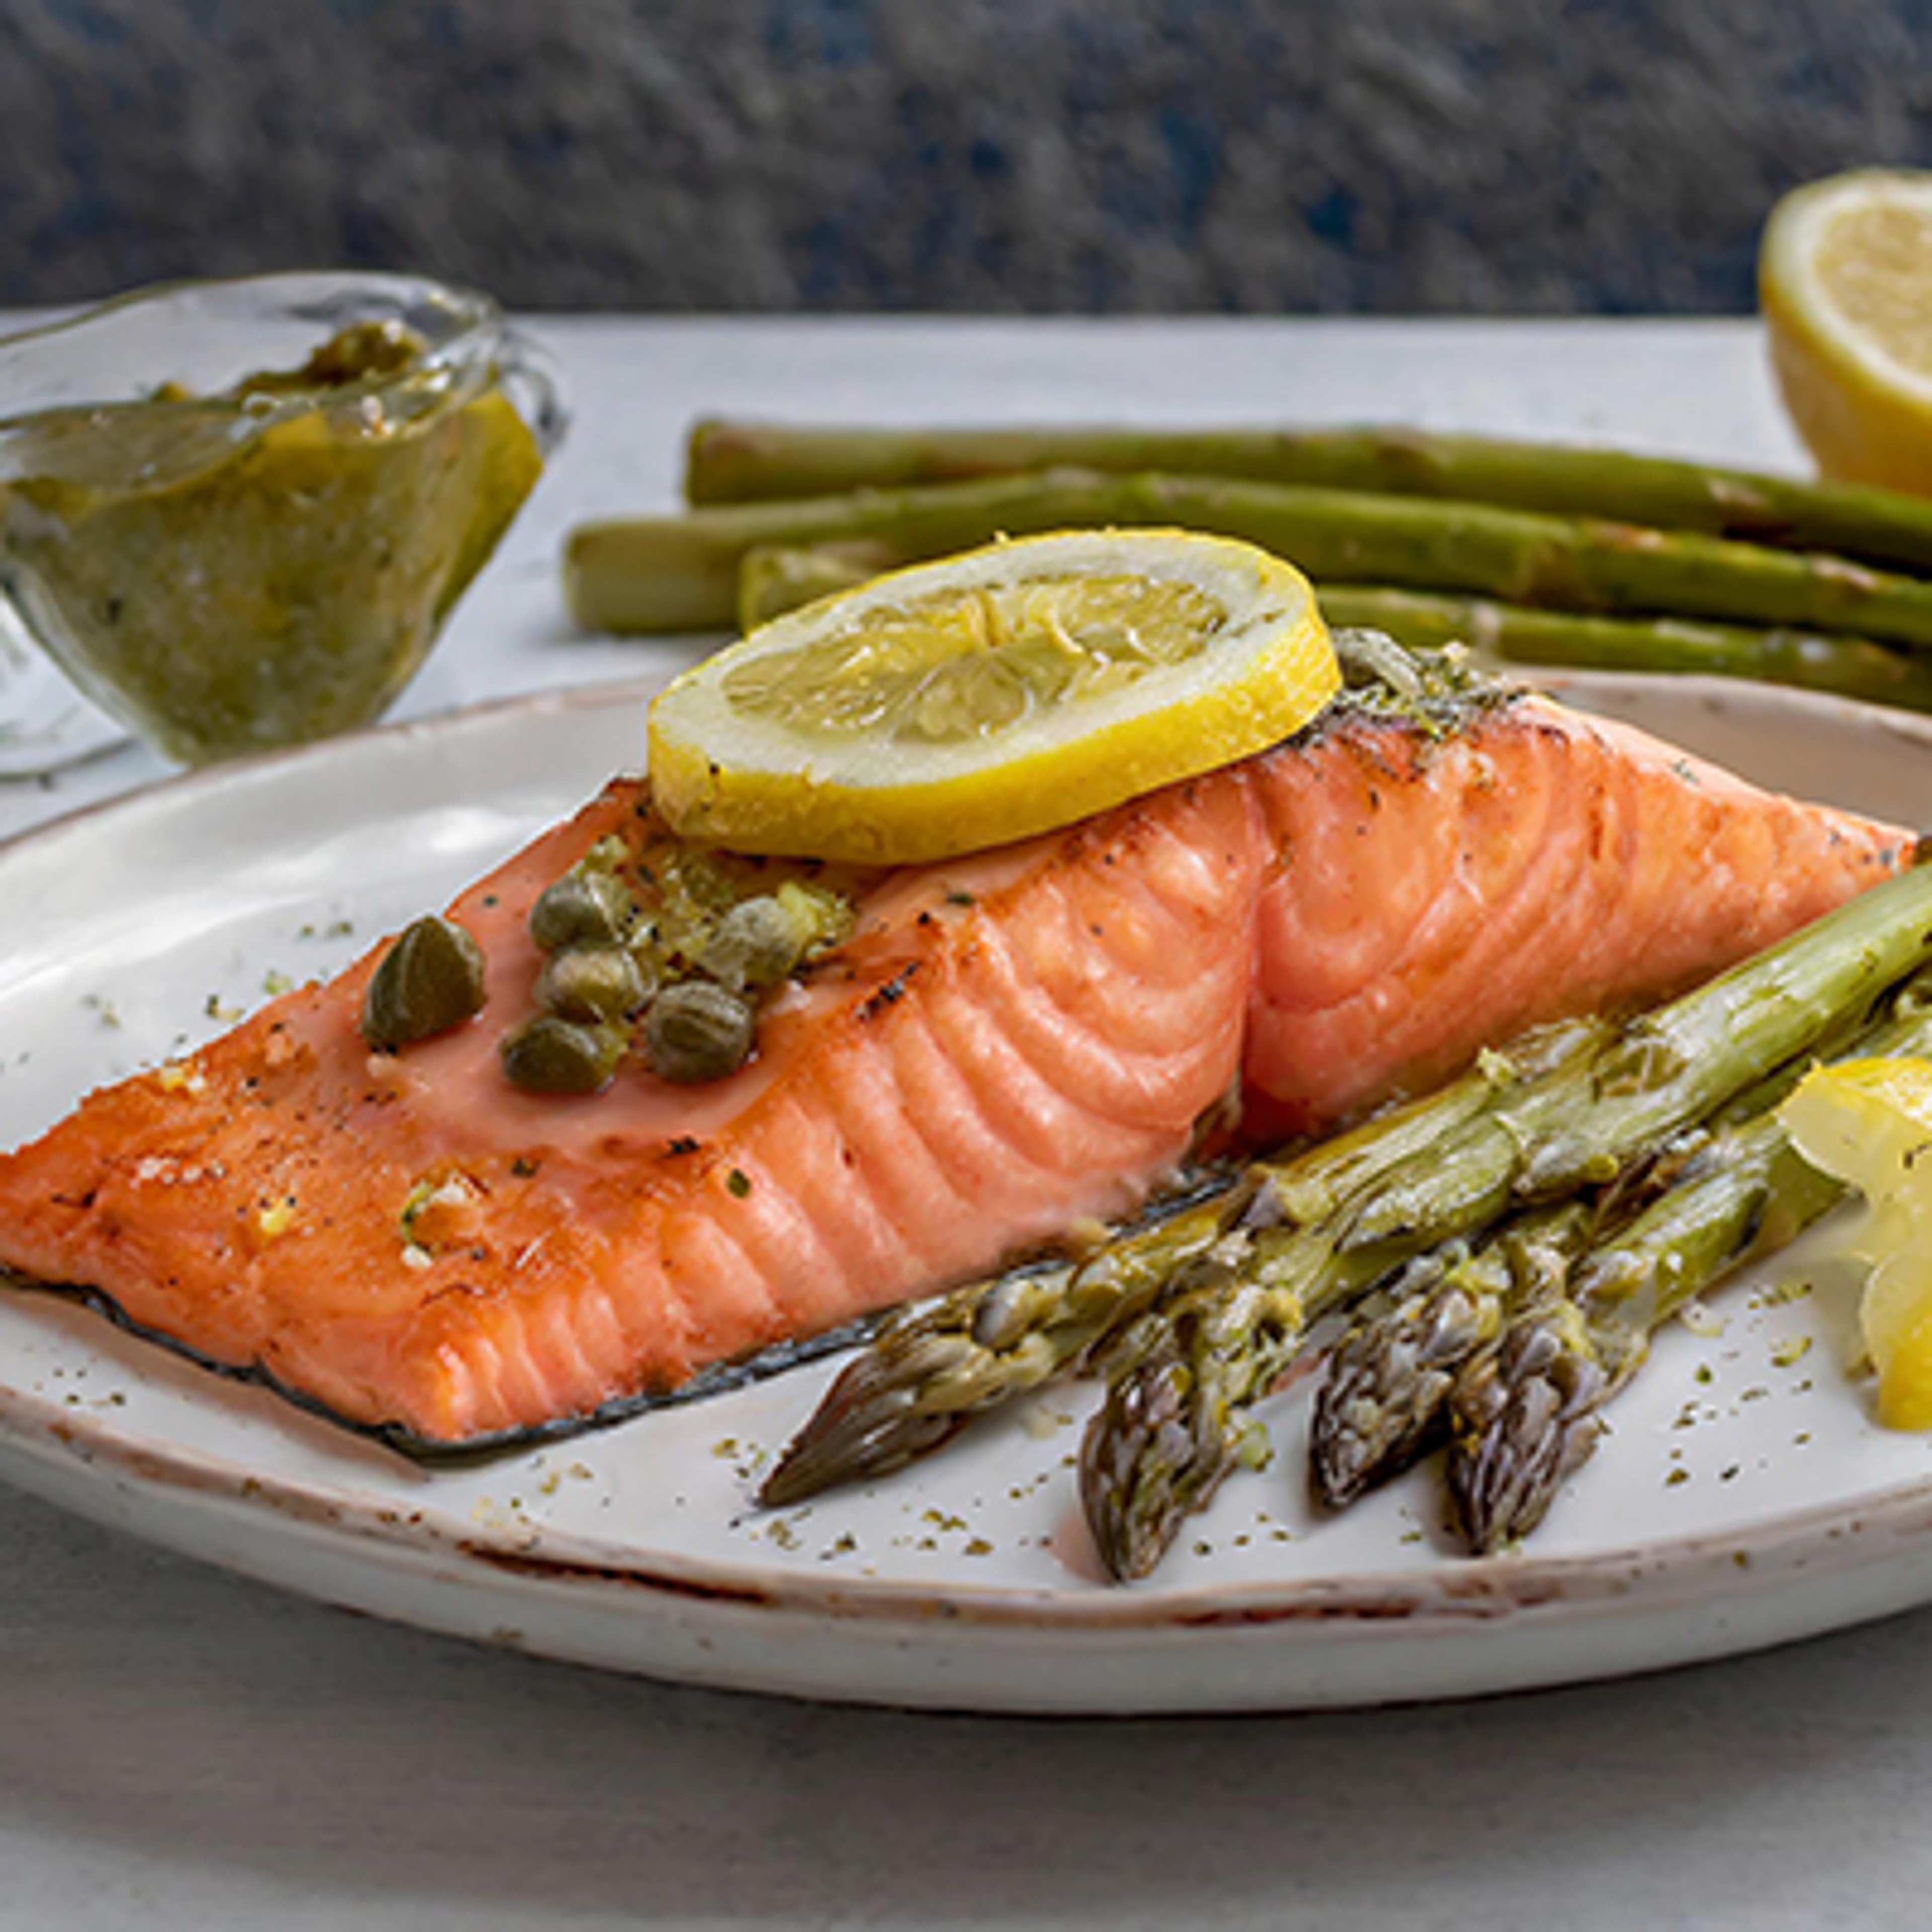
1845	282
1868	1123
990	697
948	665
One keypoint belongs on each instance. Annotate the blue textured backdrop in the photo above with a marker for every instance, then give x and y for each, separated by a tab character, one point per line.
1136	155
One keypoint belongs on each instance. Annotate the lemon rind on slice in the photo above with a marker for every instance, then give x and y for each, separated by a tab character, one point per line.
767	780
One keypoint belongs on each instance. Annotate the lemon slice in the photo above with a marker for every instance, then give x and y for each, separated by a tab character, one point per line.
1845	281
1869	1122
991	696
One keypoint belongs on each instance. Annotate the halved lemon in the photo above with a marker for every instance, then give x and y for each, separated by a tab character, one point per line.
1869	1122
991	696
1845	283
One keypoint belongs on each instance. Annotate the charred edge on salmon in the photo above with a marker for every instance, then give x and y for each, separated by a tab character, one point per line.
720	1378
1195	1183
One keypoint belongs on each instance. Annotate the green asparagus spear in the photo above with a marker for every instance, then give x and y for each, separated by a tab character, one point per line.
1523	1418
1515	633
1182	1378
1169	1427
1671	1067
1173	1422
1384	1394
1384	1399
735	461
1525	1413
1176	1419
680	573
773	581
930	1370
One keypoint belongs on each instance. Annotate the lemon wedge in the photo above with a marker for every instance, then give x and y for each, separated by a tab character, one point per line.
991	696
1845	283
1869	1122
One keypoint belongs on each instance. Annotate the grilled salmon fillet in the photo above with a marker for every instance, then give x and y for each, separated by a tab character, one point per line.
1006	1044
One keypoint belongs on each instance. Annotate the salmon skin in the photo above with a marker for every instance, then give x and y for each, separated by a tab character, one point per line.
1006	1044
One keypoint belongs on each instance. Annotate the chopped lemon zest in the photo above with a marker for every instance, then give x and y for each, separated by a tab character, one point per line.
277	1218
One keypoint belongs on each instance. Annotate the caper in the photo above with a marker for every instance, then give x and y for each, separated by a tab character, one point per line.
429	980
581	908
549	1054
757	943
696	1031
592	982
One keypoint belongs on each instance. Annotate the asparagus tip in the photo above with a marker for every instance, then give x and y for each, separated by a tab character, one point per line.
1526	1419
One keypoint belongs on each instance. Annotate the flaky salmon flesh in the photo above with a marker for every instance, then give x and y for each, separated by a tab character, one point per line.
1008	1046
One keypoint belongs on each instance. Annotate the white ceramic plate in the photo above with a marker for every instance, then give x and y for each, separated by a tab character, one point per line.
1743	1498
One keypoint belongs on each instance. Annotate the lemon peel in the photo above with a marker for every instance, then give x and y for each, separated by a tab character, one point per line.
990	697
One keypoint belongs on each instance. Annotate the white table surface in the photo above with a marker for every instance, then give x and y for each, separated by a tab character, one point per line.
182	1748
